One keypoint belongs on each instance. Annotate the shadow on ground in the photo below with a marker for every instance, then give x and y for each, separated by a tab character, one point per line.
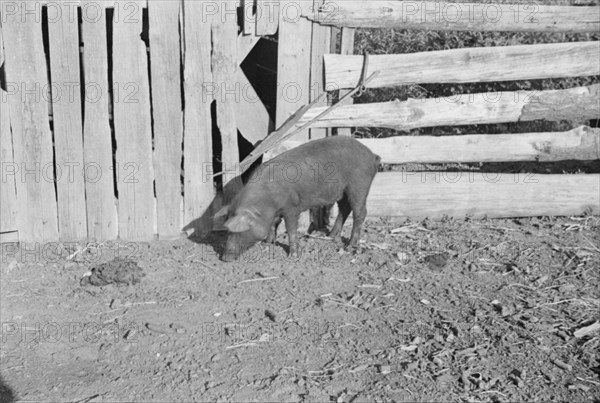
6	393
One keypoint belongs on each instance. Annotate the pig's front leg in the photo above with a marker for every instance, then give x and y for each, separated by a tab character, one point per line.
273	231
291	226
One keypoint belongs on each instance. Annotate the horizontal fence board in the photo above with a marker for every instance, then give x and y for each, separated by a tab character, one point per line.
97	143
133	130
165	60
456	16
26	77
485	64
581	143
8	195
68	125
101	4
434	194
198	185
466	109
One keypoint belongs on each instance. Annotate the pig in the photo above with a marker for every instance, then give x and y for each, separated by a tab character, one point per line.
318	173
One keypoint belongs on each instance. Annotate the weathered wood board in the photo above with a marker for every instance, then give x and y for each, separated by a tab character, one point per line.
347	48
267	17
320	45
100	200
486	64
63	30
225	70
245	45
456	16
199	189
466	109
293	71
132	120
581	143
249	17
9	171
27	83
478	194
293	67
167	113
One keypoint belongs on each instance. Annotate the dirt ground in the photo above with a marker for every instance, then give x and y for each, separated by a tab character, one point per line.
457	310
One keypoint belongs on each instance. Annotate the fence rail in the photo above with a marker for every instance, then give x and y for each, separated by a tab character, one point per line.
581	143
439	16
466	109
479	194
489	64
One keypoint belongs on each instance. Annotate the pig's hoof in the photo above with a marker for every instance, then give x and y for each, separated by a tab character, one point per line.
293	254
334	234
353	249
228	257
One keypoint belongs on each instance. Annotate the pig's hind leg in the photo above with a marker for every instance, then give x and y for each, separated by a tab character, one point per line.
358	203
344	212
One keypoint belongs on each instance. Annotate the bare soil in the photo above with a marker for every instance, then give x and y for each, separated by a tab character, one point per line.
458	310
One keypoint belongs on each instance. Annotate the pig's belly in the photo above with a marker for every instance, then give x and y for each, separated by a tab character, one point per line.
320	196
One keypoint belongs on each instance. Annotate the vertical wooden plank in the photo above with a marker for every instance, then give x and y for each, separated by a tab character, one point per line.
320	44
63	32
199	190
293	64
224	67
249	22
347	48
132	124
293	71
1	47
167	113
8	169
97	144
267	17
26	78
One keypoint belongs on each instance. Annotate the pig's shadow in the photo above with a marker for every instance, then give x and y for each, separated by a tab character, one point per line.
203	228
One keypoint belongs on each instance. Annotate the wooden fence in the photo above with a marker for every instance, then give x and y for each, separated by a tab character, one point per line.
110	109
477	194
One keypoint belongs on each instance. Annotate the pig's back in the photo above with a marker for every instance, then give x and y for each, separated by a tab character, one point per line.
345	152
318	172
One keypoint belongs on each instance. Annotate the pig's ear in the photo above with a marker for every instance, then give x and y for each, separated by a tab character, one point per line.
222	212
242	221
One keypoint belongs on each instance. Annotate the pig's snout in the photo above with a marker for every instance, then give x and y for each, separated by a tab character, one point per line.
233	248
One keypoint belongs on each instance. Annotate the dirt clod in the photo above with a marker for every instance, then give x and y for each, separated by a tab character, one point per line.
117	271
